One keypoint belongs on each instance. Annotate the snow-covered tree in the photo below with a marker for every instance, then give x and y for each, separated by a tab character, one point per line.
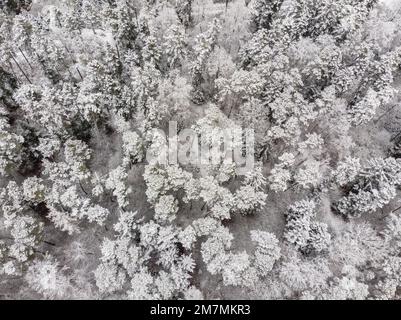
205	44
373	187
47	278
176	46
116	182
267	251
183	9
10	146
302	231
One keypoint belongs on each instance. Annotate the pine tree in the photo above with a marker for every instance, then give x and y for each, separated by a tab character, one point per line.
183	8
263	12
205	44
176	46
373	187
16	6
267	251
307	235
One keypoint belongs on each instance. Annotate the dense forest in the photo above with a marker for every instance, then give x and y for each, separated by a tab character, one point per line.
89	91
